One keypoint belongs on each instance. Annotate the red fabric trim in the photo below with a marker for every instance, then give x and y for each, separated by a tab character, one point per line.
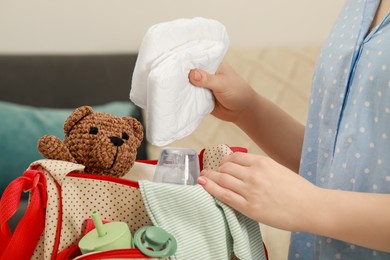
201	154
117	254
69	253
238	149
74	251
265	251
147	161
130	183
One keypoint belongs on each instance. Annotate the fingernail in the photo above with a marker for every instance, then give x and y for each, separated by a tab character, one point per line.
202	180
197	75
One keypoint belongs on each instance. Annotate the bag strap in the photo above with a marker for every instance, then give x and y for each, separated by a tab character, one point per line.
21	244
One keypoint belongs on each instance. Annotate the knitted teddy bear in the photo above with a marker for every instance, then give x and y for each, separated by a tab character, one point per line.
103	143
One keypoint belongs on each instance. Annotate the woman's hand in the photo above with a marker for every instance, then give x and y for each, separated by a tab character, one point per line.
233	95
263	190
271	194
272	129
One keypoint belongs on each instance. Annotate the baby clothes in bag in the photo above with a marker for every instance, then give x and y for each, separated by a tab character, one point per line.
160	83
203	227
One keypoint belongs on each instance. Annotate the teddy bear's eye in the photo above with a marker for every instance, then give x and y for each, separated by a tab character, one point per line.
125	136
93	130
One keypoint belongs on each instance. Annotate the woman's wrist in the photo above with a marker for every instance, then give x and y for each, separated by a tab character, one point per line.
252	105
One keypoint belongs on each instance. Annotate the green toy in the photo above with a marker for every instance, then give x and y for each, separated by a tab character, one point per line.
113	235
155	242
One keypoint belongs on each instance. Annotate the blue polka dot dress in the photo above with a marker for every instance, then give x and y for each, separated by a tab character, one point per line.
347	139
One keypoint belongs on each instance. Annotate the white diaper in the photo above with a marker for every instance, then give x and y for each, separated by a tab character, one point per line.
160	83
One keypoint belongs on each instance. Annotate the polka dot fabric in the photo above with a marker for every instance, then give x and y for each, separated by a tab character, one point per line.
212	156
347	139
80	194
115	202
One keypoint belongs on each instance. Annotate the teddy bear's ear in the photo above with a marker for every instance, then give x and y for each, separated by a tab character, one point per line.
52	147
137	128
75	117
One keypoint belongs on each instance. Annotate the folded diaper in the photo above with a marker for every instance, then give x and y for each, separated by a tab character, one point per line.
160	84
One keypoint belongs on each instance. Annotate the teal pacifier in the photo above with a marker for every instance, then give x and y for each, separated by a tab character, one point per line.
155	242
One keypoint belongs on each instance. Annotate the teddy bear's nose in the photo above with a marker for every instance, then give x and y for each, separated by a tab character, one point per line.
116	140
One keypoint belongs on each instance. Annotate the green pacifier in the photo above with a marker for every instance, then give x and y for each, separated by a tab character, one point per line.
113	235
155	242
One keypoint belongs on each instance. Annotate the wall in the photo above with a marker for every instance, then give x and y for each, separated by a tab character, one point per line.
72	26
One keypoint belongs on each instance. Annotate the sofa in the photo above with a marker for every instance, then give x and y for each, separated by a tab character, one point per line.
59	83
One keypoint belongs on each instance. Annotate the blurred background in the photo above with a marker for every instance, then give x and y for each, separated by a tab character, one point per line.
91	26
63	54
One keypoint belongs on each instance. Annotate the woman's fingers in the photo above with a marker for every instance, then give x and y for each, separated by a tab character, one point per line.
233	169
224	179
223	188
243	159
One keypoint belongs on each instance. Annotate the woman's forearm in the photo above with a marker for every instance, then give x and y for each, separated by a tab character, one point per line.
359	218
274	131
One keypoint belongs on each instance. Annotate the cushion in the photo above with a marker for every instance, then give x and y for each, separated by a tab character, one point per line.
96	78
22	126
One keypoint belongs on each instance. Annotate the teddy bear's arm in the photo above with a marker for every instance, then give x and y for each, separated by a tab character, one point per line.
52	147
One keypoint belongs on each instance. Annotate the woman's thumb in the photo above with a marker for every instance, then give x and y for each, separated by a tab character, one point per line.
201	78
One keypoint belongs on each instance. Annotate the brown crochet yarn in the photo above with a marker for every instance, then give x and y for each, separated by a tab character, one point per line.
103	143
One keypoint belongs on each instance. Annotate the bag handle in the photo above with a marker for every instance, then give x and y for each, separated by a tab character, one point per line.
21	244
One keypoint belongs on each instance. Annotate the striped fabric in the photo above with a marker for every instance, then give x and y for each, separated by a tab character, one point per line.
204	228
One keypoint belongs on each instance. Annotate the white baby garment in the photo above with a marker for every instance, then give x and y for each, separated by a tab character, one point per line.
160	84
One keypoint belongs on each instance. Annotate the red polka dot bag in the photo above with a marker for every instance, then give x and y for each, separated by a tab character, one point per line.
61	201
